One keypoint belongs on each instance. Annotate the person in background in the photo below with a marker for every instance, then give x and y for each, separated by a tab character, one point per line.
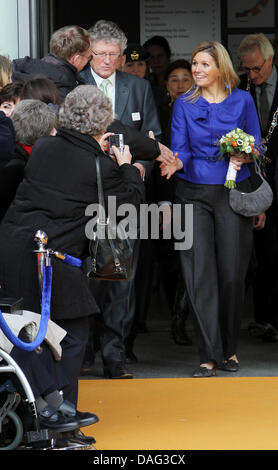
134	106
70	51
159	255
178	80
10	94
261	80
214	277
31	119
160	57
5	71
42	88
132	97
136	60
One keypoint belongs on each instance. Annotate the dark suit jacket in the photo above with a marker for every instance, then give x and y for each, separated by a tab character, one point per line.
272	146
133	95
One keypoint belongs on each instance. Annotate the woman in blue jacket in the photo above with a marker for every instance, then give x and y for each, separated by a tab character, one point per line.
214	269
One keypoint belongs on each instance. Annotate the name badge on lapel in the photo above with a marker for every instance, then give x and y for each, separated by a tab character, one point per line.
136	116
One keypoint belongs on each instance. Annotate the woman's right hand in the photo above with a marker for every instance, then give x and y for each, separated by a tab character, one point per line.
122	157
168	169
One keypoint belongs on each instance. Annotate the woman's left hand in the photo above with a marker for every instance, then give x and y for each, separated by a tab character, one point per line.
240	159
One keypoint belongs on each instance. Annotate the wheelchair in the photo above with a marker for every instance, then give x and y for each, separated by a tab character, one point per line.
17	395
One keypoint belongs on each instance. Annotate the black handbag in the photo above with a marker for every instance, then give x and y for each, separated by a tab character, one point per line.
111	253
255	202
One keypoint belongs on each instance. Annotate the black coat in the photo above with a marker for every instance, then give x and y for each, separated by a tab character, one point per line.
65	76
141	146
59	183
11	176
7	139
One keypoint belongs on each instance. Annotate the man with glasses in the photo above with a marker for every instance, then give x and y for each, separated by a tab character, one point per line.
261	79
70	51
131	96
134	106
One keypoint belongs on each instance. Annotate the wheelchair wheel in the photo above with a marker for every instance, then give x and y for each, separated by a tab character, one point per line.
12	431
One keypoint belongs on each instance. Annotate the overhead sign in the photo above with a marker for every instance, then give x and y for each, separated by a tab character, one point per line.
184	23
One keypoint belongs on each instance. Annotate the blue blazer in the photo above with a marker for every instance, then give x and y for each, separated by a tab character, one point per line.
196	128
133	95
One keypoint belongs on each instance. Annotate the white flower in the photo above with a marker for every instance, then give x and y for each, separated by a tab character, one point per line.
239	142
248	149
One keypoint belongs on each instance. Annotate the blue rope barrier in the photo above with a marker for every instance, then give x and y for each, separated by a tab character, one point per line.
73	261
45	310
45	313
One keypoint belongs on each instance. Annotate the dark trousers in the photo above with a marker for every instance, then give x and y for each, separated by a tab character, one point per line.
73	350
41	369
265	285
214	269
117	305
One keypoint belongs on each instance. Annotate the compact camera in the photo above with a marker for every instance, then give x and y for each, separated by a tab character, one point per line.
118	141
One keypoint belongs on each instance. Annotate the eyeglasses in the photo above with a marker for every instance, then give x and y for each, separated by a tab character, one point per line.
88	58
102	55
254	69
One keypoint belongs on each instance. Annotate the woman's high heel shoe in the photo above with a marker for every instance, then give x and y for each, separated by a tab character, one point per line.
230	365
202	371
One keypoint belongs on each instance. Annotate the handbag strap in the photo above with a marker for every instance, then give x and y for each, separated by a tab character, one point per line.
258	169
102	215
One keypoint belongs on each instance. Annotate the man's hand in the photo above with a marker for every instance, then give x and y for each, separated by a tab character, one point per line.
259	221
141	169
166	155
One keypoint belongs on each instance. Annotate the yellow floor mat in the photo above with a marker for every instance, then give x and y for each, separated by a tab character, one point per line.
183	414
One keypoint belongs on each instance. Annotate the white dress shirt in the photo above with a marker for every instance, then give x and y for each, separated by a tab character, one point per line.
111	87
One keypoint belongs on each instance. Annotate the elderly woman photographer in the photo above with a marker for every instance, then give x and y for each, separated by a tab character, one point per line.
58	184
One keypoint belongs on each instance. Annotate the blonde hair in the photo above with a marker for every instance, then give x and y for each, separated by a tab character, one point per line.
228	77
5	70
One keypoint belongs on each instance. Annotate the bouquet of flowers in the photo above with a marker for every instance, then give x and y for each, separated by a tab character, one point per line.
236	142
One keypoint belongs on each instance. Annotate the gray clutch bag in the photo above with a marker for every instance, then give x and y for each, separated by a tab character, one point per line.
255	202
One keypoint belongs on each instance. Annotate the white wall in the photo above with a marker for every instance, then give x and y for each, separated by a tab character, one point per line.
9	28
15	28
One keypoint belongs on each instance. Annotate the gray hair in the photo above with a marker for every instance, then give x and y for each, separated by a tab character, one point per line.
256	40
32	119
86	109
109	32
